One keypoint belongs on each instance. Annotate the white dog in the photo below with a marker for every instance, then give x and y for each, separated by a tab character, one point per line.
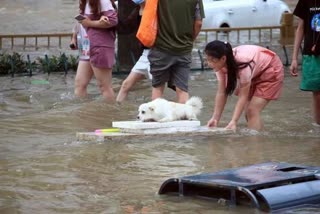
161	110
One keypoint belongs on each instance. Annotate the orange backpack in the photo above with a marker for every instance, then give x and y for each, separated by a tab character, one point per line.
148	28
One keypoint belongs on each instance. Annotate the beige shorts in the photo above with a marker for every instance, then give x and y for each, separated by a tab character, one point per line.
142	66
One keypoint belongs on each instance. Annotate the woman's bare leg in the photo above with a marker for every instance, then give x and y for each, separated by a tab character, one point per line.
104	81
253	113
82	79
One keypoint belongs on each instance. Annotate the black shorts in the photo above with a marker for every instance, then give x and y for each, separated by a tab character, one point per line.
171	69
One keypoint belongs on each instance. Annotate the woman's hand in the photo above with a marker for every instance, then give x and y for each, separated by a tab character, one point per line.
212	122
104	19
73	43
232	125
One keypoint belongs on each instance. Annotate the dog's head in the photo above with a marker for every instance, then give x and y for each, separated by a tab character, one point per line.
146	113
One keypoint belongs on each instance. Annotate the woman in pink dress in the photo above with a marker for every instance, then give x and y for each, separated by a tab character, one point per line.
101	18
254	73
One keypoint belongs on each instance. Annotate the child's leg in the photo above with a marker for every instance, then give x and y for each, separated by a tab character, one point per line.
316	106
127	84
82	79
253	111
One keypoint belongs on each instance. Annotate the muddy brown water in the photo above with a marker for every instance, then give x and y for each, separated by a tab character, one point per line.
44	169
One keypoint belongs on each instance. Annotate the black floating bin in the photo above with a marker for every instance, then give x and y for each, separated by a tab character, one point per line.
291	195
268	186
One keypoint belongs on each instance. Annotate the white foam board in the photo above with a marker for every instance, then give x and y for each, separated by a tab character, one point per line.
126	136
138	125
167	130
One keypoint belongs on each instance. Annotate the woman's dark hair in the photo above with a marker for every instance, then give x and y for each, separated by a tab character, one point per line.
94	5
217	49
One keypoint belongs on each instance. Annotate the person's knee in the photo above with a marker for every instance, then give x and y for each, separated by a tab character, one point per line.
126	85
80	88
80	83
82	80
251	112
104	86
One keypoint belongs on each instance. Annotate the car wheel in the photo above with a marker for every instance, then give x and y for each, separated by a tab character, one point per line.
225	25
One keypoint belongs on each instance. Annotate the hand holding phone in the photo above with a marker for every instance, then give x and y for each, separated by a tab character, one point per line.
72	46
80	17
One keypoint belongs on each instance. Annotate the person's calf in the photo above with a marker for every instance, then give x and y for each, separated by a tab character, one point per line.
182	96
106	91
80	91
123	92
316	107
125	87
109	95
157	92
253	119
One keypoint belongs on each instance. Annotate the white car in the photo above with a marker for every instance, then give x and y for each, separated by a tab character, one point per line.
243	13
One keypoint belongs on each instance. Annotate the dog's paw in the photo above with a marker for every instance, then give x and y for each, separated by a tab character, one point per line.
149	120
165	119
193	118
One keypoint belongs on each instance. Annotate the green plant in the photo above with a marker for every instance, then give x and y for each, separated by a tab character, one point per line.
52	63
4	63
16	64
73	62
12	63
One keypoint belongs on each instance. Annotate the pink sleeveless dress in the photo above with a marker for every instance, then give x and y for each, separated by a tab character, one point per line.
266	73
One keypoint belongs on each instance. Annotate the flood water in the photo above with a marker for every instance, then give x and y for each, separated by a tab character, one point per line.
44	169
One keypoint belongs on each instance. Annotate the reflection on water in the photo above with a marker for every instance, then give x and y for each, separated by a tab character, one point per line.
43	169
